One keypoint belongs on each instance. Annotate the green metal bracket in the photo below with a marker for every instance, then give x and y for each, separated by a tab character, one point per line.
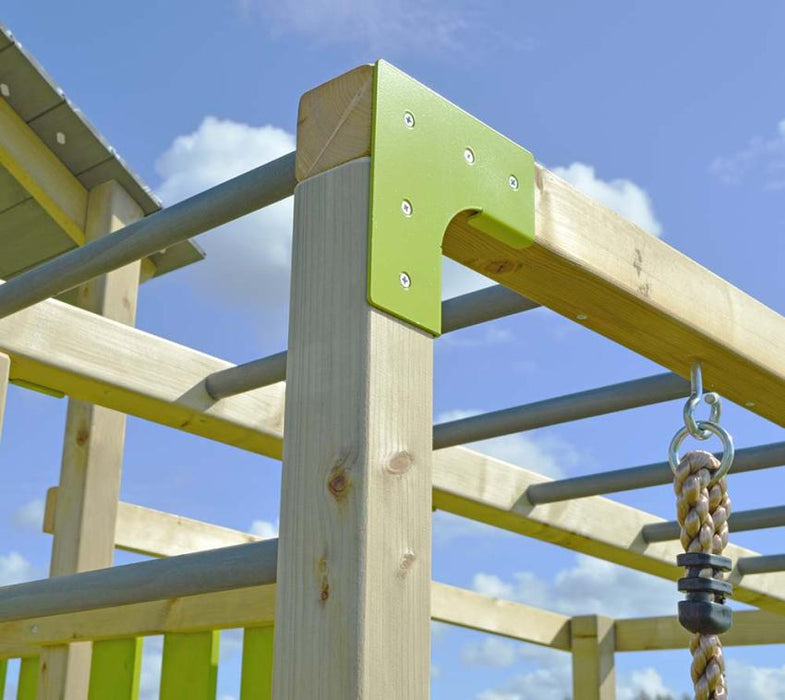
431	160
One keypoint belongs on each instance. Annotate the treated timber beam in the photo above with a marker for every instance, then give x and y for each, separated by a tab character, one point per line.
482	488
588	263
42	174
100	361
750	627
593	668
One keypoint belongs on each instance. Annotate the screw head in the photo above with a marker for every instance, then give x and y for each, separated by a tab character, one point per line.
405	280
5	91
408	120
581	317
468	155
513	182
749	404
60	137
34	629
406	207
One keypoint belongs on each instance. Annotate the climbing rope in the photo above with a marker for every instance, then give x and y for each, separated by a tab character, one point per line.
702	509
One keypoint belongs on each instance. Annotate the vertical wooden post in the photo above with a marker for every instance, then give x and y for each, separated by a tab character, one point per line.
89	488
593	647
354	562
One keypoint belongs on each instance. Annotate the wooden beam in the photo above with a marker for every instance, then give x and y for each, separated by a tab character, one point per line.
488	490
593	668
41	173
354	555
648	633
5	370
93	359
464	608
589	263
158	534
92	461
251	606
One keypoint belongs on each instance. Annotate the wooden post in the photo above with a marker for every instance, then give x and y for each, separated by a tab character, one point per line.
593	646
92	453
354	563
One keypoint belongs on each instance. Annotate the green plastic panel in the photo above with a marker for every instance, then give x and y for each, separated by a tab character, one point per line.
3	670
115	668
27	688
189	670
257	676
431	160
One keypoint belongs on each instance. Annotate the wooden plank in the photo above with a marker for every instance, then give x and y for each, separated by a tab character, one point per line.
257	675
590	264
42	173
189	670
5	369
647	633
354	557
458	606
482	488
158	534
115	669
241	607
27	685
92	461
593	674
100	361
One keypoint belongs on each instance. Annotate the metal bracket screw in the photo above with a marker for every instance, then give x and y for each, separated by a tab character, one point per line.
406	207
405	280
468	156
513	182
408	120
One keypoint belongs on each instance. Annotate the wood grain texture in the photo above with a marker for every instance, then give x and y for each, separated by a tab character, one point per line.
749	627
463	608
482	488
587	260
91	358
593	668
158	534
334	123
354	555
250	606
92	460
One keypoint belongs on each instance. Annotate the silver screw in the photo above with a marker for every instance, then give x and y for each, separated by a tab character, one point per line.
581	317
749	404
513	181
406	207
34	629
405	280
60	136
468	155
408	119
5	91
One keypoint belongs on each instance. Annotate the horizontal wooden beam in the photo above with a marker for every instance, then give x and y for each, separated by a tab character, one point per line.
589	264
750	627
155	533
42	174
488	490
91	358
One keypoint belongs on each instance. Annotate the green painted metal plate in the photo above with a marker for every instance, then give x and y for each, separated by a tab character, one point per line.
431	160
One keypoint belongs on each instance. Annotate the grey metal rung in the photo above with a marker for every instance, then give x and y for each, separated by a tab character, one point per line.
252	564
746	460
585	404
230	200
743	521
765	564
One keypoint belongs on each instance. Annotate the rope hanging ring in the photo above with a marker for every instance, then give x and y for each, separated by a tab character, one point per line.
692	403
708	428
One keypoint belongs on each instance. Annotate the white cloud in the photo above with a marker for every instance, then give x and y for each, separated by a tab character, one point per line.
248	260
264	529
490	651
763	159
551	681
30	515
14	568
645	683
623	196
448	527
591	586
545	455
754	682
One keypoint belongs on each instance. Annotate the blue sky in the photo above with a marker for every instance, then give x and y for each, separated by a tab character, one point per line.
672	113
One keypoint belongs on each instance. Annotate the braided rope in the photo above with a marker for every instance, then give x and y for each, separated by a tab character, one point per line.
703	516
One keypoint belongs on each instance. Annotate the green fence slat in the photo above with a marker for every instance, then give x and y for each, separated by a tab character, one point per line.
27	687
257	677
115	669
3	669
190	666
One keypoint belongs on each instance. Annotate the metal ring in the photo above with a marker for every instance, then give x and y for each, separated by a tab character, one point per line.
692	403
728	450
